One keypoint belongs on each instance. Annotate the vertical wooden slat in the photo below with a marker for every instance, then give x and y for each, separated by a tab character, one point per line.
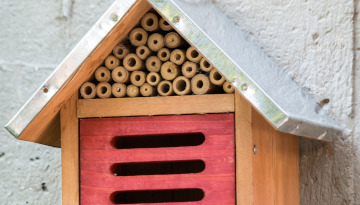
244	154
276	164
271	176
70	152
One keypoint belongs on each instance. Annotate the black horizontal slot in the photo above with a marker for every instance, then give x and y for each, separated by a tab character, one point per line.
157	196
156	141
158	168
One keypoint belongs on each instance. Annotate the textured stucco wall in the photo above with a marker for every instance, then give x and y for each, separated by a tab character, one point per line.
314	41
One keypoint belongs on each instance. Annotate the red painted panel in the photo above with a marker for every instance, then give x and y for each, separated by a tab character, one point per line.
98	154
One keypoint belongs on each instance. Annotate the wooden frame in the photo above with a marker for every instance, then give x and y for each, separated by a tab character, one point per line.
267	161
271	176
170	105
70	152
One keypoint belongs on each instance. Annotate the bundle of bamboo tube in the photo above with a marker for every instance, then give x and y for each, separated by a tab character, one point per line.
155	60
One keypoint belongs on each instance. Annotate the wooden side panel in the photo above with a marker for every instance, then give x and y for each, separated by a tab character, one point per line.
191	104
70	152
244	152
271	176
98	154
44	129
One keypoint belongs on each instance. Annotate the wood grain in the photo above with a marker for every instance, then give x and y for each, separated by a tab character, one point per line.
191	104
276	164
271	176
70	152
45	129
244	152
98	154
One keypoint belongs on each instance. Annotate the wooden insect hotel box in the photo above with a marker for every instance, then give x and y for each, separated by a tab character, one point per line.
168	102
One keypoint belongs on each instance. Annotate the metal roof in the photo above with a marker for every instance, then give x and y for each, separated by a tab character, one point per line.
284	103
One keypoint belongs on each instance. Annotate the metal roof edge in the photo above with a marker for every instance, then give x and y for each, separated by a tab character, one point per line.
68	66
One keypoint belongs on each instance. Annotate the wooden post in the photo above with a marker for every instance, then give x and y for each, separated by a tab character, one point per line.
269	175
70	152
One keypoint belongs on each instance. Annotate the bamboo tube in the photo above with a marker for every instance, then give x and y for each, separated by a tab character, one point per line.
228	88
118	90
132	91
153	78
169	71
193	55
120	51
120	75
103	90
164	25
163	54
138	78
102	74
177	56
132	62
189	69
111	62
205	65
181	85
88	90
200	84
147	90
173	40
155	42
143	52
216	78
138	37
165	88
153	64
150	22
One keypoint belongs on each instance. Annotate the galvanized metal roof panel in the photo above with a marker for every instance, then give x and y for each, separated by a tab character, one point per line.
282	102
280	99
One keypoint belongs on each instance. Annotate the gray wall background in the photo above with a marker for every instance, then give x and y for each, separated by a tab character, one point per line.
315	41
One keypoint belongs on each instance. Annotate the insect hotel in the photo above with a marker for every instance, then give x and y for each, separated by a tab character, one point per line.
168	102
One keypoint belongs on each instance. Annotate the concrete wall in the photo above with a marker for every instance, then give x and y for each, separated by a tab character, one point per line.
316	42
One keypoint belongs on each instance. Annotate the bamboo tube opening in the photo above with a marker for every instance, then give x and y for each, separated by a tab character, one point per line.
132	91
88	90
228	87
138	37
189	69
193	55
143	52
181	85
103	90
163	54
120	51
165	88
200	84
164	25
177	56
169	71
111	62
138	78
150	22
216	78
205	65
153	78
118	90
132	62
147	90
155	42
173	40
102	74
120	75
153	64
